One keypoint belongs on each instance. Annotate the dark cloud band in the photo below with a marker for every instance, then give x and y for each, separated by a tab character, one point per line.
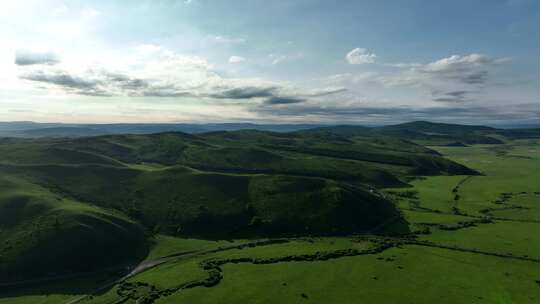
24	58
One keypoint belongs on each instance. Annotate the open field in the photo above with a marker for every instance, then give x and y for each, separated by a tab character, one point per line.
471	241
395	276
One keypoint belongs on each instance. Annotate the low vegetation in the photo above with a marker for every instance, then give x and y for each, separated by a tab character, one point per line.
199	226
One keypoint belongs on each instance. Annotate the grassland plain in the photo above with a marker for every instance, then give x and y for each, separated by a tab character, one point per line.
473	245
403	275
508	192
445	275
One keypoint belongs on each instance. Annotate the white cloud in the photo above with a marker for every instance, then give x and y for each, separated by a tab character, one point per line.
90	13
26	57
154	71
360	56
456	63
148	70
61	10
449	79
326	91
236	59
148	48
277	59
467	69
403	65
351	78
69	25
227	39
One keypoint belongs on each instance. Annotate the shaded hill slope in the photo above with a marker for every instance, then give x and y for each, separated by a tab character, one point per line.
181	201
379	161
43	233
423	132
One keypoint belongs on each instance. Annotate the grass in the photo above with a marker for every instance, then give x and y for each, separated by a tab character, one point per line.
164	245
436	192
427	275
295	247
172	274
511	168
101	211
187	268
419	220
40	231
505	237
189	203
54	292
451	211
214	186
506	190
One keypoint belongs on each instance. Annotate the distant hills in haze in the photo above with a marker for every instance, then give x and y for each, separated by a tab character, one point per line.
418	131
34	130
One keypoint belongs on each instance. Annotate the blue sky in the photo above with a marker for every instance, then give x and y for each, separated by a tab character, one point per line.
270	61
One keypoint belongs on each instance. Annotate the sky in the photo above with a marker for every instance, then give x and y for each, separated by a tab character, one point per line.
279	61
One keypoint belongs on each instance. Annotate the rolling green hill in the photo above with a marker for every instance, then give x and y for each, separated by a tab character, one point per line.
443	128
187	202
44	233
423	132
443	134
97	199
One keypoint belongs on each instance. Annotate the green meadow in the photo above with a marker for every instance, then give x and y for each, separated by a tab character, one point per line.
471	238
406	275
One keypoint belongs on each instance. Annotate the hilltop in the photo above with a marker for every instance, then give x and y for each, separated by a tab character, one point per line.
425	133
422	132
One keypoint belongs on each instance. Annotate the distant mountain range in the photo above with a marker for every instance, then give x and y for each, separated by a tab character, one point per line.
28	129
34	130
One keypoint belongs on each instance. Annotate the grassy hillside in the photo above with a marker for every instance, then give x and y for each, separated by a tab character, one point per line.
196	192
226	184
442	128
64	201
182	201
97	199
379	161
42	233
425	133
